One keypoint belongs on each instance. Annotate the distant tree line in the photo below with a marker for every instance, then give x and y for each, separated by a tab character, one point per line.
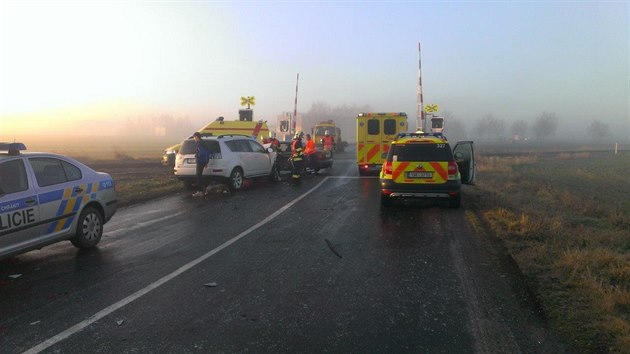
344	117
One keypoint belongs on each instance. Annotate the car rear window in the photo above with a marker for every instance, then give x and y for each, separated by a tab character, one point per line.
189	147
420	152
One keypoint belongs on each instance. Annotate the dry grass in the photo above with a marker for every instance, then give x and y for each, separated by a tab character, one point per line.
565	219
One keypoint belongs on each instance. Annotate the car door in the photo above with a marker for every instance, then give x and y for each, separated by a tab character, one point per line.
20	225
465	158
246	157
60	194
261	158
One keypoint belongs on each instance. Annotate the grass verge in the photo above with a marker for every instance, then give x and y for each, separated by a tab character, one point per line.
565	220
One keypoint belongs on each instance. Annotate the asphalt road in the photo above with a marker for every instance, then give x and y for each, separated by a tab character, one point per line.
274	268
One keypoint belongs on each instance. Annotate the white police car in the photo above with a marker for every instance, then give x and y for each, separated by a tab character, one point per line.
46	198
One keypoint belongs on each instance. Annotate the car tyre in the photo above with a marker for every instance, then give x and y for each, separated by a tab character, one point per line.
89	228
236	179
455	201
274	176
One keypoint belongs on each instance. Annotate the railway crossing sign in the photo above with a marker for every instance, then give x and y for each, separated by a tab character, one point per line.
431	108
249	100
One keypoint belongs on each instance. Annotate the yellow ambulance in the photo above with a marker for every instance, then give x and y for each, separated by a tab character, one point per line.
220	126
375	132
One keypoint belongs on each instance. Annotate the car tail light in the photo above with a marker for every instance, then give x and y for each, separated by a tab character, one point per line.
388	167
452	170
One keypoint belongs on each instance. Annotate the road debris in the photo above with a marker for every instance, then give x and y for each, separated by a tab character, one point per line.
34	323
210	285
15	276
120	322
332	248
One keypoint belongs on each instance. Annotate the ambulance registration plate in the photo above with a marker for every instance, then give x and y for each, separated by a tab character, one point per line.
416	174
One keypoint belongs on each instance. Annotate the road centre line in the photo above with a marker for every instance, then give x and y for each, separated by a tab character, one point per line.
118	305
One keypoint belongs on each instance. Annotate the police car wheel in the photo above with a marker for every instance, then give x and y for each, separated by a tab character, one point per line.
89	228
236	179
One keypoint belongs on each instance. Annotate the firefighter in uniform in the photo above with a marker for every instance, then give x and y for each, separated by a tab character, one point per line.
297	158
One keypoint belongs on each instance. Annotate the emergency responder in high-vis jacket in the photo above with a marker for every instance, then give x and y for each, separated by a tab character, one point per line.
309	153
328	142
297	158
275	143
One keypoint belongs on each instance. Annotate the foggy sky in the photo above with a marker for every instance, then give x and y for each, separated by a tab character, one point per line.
110	62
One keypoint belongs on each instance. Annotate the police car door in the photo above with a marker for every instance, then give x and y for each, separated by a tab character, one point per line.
465	158
60	194
19	208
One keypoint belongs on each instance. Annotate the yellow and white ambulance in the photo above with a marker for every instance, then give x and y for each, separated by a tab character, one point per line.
375	132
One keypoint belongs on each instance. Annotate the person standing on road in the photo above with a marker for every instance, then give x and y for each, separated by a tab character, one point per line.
297	158
202	156
328	142
309	153
275	143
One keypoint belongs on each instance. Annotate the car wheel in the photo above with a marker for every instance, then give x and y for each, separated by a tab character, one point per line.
275	174
361	173
89	228
456	201
236	179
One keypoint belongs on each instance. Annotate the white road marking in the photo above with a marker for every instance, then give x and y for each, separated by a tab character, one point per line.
145	223
111	308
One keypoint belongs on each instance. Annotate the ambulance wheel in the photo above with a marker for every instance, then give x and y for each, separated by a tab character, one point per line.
89	228
275	174
236	179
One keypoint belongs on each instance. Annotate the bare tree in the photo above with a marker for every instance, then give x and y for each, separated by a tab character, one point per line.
489	128
519	129
344	117
546	125
453	128
598	130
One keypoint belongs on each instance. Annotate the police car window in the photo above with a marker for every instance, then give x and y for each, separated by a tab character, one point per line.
389	126
48	171
256	147
422	152
13	177
72	172
374	127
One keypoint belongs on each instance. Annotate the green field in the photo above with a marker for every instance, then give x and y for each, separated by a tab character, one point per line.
565	219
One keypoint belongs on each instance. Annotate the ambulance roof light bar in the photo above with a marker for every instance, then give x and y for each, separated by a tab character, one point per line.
12	148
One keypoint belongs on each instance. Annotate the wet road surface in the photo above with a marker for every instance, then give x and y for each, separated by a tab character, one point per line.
274	268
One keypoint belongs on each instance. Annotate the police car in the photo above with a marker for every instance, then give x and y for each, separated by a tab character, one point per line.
47	198
420	165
